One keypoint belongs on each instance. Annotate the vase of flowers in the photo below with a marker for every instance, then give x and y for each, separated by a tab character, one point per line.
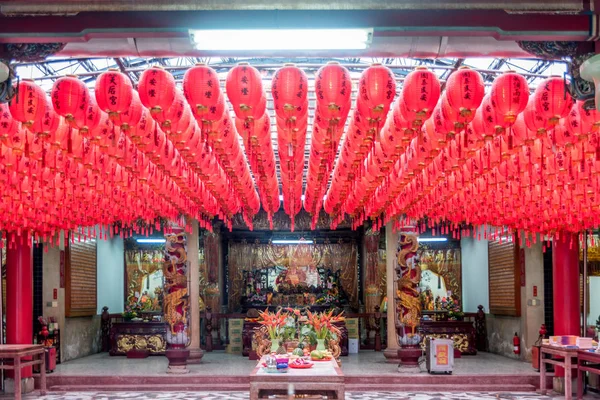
274	322
322	324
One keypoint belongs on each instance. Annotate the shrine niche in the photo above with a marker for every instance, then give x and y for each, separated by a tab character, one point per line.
441	279
317	275
144	279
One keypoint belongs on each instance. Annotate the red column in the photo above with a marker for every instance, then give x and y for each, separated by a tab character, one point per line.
19	291
565	273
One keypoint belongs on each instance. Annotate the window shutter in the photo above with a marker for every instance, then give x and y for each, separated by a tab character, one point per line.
504	278
80	272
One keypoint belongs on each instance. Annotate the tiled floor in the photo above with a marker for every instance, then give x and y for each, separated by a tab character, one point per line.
366	362
349	396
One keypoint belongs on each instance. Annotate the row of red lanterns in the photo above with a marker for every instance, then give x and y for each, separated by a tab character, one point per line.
246	94
531	167
289	90
333	91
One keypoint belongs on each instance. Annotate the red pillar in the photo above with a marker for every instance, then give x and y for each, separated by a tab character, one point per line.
565	273
19	291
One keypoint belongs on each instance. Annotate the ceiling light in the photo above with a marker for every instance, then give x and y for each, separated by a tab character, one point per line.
282	39
148	241
432	239
292	241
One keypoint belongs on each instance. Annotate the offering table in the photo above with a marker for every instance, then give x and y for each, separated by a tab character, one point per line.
324	378
12	358
567	355
587	361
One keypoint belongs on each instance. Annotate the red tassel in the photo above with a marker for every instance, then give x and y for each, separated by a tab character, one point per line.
70	141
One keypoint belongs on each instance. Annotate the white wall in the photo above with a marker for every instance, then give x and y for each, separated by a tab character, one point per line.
475	274
594	300
111	271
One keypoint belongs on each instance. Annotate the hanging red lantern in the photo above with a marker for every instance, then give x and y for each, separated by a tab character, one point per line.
156	89
130	117
420	94
289	90
201	88
333	90
7	123
552	100
29	106
114	92
91	119
509	96
245	91
70	98
376	92
465	91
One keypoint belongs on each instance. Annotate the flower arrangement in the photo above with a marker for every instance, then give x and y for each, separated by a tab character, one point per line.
452	305
129	313
274	322
322	323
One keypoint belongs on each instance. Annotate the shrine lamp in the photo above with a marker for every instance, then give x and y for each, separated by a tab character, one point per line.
433	239
150	240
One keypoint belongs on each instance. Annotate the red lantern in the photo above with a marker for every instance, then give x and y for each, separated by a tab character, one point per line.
156	89
130	117
201	88
420	94
552	100
245	91
289	90
114	93
70	98
509	96
30	104
465	91
376	91
7	123
333	89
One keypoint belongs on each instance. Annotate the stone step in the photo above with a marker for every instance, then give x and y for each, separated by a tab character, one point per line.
136	387
431	388
431	379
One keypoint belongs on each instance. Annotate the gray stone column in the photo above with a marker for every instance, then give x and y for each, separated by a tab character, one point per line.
196	352
391	244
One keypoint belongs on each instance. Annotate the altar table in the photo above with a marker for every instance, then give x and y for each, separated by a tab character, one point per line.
567	363
17	352
325	377
587	361
140	336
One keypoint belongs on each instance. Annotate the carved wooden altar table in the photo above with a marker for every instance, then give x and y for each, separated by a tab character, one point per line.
324	378
462	332
16	353
587	361
566	361
139	336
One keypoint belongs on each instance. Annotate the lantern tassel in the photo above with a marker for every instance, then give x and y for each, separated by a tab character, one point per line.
70	141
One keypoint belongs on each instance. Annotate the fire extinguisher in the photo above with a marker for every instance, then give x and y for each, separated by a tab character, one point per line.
516	344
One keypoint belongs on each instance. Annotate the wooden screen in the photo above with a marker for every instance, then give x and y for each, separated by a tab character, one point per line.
504	278
80	283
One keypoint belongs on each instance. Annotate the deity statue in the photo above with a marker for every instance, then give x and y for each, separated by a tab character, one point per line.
409	275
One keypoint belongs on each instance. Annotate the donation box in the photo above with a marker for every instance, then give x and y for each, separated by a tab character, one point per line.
440	355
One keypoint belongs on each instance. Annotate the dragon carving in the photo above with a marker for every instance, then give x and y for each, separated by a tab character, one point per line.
176	301
409	274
